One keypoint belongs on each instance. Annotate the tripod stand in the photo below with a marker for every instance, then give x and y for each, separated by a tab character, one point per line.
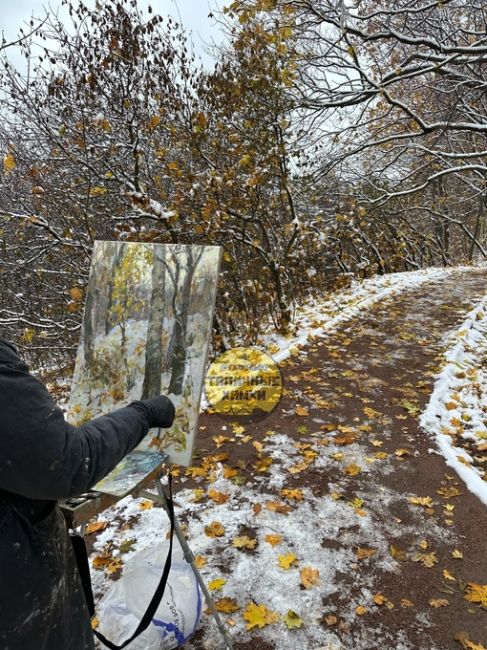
81	509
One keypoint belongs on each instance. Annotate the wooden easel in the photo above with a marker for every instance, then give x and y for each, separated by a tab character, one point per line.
79	510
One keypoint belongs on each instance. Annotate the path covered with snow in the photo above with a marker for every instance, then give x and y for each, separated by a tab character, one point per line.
335	523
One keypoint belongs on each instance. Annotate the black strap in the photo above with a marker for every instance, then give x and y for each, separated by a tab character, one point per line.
79	548
159	592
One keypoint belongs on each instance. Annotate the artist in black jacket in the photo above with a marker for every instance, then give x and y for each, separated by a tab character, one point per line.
42	459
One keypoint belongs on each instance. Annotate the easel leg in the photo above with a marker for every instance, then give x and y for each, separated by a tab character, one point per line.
189	557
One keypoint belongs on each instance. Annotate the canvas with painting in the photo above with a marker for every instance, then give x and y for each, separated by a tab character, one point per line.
146	329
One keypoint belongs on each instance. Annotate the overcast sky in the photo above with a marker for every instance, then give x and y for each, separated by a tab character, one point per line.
193	14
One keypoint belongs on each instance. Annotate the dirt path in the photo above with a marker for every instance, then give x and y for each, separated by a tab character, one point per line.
360	392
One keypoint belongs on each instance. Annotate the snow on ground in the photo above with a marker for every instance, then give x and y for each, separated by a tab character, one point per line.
457	412
281	527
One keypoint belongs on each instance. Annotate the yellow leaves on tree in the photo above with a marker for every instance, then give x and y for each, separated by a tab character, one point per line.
9	162
259	616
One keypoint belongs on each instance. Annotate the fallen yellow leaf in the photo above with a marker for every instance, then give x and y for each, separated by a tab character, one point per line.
309	577
292	620
273	540
363	553
244	542
439	602
226	605
287	561
95	527
216	584
259	616
477	594
215	529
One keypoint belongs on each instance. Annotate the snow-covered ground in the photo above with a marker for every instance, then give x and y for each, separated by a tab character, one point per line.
457	411
256	544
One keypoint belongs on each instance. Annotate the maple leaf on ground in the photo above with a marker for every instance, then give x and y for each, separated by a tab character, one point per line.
352	469
477	594
464	641
309	577
259	616
227	605
439	602
363	553
296	494
218	497
127	545
229	472
427	559
244	542
287	561
95	527
292	620
426	502
448	492
301	411
273	540
100	561
200	561
216	584
360	610
215	529
114	566
275	506
146	504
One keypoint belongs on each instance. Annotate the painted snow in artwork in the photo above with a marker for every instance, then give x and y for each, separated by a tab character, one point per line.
146	329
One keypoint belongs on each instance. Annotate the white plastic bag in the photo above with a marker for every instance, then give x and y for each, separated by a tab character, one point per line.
126	601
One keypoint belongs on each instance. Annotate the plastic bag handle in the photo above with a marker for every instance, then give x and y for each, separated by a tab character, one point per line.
159	592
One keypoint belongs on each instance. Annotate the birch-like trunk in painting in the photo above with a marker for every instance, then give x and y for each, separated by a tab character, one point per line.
181	313
153	350
117	263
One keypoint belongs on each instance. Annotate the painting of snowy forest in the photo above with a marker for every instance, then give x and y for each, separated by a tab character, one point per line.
146	328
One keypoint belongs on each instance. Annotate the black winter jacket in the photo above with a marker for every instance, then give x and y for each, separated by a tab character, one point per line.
43	459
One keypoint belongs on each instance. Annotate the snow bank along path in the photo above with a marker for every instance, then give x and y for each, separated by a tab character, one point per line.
457	412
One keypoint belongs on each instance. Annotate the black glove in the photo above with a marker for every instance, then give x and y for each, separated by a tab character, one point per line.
158	411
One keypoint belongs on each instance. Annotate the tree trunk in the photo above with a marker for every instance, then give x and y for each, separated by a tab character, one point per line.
153	350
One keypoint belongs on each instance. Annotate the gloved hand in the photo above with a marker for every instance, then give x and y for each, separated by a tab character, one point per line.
159	411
